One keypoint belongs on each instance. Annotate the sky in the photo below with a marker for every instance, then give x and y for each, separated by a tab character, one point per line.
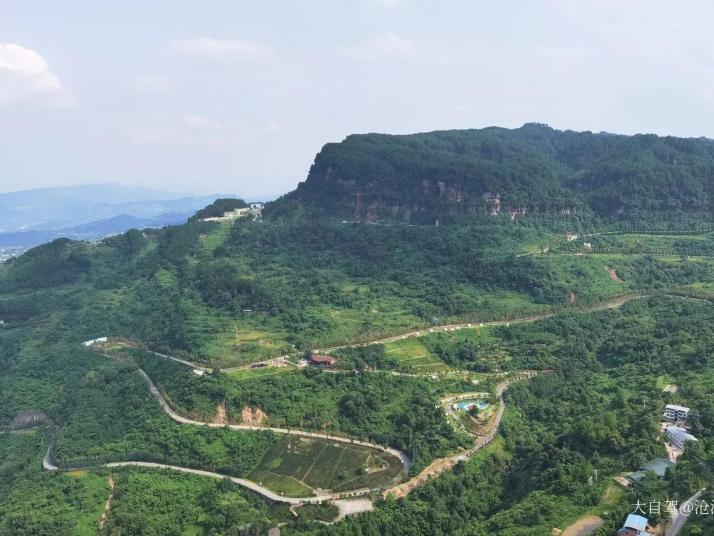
234	96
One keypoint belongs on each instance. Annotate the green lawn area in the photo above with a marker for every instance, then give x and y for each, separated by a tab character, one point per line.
296	466
255	373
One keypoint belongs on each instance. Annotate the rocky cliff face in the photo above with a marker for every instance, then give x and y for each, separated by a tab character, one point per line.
500	173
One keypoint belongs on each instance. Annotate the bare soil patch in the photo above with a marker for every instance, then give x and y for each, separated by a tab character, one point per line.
583	526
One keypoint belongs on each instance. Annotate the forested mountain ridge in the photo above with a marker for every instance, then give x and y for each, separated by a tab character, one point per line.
531	171
248	299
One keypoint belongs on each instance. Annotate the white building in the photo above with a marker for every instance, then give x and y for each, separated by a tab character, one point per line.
634	526
94	341
257	206
673	412
679	436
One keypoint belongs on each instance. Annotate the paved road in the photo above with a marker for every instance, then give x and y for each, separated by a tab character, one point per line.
265	492
683	512
406	462
47	460
611	304
346	506
280	360
248	484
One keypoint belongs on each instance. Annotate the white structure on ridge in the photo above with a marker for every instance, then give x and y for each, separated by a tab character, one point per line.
94	341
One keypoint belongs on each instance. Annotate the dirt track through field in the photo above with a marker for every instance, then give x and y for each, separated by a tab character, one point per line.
584	526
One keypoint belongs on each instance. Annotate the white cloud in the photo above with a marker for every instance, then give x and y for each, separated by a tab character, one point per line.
201	122
157	134
390	3
152	83
25	75
189	128
220	48
386	46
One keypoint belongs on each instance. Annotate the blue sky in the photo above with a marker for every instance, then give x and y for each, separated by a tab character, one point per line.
238	96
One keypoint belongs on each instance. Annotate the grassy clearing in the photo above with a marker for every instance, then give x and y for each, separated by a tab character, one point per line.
224	342
663	381
684	244
698	290
412	355
210	241
256	373
297	466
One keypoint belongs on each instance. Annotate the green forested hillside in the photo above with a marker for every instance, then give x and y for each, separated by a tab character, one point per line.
413	313
535	171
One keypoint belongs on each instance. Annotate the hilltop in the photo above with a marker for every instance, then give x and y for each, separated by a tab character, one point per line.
533	171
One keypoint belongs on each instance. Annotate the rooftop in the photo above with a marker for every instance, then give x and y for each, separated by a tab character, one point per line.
676	407
658	466
680	434
317	358
636	522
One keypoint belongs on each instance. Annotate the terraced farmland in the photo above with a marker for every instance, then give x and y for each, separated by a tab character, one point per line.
412	355
297	466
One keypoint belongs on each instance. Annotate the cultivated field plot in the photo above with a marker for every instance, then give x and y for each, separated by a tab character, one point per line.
225	342
296	466
414	356
210	241
703	291
654	244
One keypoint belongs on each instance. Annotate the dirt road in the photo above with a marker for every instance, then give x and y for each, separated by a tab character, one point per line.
584	526
441	465
281	361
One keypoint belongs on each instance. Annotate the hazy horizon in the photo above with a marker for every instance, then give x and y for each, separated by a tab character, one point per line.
166	190
240	97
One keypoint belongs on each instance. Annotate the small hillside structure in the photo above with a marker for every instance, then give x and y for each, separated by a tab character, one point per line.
634	526
678	436
674	413
657	466
92	342
322	360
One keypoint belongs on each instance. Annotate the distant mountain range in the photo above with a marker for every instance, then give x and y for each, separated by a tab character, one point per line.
32	217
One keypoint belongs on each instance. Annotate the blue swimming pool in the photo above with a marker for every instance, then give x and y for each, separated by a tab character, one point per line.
466	405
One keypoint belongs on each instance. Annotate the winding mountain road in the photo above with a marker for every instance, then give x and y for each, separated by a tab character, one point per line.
403	458
685	509
436	468
343	497
613	303
248	484
441	465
